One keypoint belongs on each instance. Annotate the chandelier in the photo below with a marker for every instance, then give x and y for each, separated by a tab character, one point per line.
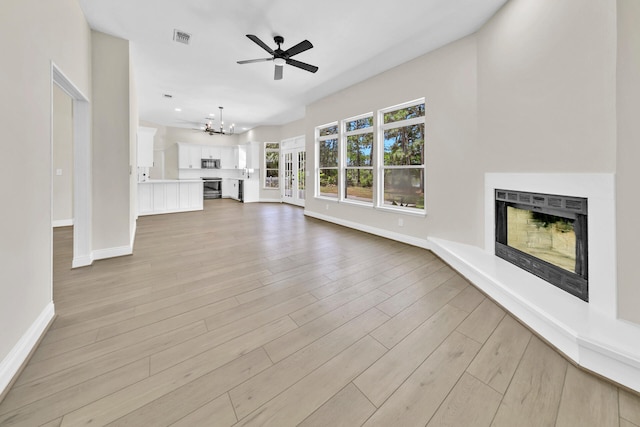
213	131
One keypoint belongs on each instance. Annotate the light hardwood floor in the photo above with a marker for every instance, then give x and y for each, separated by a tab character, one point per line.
252	314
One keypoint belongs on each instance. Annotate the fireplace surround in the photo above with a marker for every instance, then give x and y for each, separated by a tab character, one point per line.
590	334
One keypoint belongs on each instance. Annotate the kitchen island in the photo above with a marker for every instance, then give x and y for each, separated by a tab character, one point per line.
160	196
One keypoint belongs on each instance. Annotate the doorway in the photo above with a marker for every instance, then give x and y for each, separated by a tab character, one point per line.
81	118
294	168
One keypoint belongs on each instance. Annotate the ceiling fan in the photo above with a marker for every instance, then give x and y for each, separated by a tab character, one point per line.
281	57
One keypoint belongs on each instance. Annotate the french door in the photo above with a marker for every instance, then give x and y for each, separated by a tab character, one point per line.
294	163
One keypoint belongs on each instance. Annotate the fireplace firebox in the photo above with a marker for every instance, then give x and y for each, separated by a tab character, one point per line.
545	235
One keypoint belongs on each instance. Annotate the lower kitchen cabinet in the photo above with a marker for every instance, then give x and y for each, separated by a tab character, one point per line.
167	196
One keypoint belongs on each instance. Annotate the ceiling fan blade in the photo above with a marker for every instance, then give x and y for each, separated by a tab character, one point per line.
278	73
260	43
299	48
251	61
304	66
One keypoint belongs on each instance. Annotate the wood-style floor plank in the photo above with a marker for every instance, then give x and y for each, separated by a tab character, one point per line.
587	401
535	390
416	400
253	314
499	358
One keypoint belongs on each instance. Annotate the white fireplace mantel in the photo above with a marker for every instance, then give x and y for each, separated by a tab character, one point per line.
588	333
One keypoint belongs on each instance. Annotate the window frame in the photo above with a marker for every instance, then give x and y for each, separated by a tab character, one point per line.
318	140
264	161
344	135
381	167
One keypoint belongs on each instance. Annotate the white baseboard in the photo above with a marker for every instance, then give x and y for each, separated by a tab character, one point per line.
270	200
12	363
410	240
62	223
111	252
82	261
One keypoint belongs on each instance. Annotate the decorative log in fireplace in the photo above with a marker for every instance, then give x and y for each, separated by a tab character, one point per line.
545	235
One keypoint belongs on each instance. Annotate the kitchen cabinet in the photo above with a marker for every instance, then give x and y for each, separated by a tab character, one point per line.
251	188
240	157
144	146
167	196
226	157
211	152
189	156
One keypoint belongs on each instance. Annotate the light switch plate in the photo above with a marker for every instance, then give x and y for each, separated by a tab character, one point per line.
59	172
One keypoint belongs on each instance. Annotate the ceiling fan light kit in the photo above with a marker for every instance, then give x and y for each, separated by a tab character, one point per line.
281	57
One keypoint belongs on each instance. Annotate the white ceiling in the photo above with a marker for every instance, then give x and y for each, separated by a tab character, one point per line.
352	39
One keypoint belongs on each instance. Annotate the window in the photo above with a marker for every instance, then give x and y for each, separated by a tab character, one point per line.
271	165
327	146
402	169
358	165
381	166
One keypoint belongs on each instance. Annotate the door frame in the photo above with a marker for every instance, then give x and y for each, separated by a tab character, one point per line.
81	167
292	146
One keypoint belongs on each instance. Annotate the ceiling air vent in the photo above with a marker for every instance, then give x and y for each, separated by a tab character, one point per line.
181	36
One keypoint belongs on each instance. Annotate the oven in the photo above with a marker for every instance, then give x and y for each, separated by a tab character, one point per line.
212	188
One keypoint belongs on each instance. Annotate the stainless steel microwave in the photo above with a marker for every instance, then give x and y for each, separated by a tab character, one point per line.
210	164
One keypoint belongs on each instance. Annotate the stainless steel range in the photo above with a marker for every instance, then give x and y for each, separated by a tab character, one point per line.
212	188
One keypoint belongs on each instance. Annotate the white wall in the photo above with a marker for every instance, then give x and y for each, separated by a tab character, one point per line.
111	138
62	157
628	172
48	31
446	78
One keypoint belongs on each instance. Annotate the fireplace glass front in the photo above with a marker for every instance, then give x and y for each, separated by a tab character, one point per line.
545	235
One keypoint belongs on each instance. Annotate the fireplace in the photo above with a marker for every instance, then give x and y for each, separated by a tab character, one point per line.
545	235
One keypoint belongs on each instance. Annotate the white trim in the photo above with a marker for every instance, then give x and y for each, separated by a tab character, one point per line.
178	210
82	195
270	200
410	240
111	252
19	354
61	222
133	233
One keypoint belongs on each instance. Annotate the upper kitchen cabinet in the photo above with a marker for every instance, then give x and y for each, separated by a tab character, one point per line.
211	152
226	157
240	157
253	155
144	147
189	156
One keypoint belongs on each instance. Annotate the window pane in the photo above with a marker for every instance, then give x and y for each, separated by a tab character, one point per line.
359	185
328	153
404	187
363	123
404	146
272	145
404	114
272	159
359	149
329	182
329	130
271	178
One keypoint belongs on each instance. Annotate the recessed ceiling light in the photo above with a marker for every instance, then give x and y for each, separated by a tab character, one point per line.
211	114
178	109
